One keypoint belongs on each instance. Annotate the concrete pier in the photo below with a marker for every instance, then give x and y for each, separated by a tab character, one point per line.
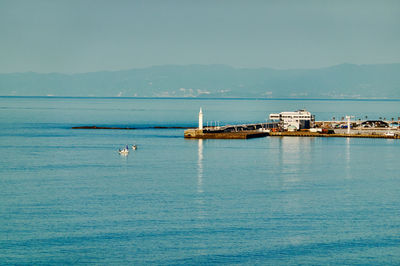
333	135
202	134
246	134
297	124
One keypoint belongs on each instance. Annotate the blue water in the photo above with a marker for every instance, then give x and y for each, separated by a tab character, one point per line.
67	196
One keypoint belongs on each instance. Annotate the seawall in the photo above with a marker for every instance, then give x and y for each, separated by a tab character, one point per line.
200	134
333	135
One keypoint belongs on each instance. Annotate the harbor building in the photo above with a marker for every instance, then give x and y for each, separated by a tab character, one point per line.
297	120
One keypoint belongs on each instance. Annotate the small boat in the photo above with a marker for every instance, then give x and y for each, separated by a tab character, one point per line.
124	151
134	147
389	134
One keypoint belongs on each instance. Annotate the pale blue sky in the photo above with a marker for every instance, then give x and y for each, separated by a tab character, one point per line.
73	36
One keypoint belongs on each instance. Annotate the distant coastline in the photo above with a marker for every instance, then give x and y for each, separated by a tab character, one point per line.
344	81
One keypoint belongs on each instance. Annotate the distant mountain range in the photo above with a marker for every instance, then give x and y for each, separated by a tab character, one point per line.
341	81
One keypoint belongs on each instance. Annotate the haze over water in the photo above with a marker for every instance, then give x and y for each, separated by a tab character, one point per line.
67	196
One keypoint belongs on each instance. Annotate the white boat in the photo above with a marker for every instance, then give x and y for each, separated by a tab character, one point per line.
389	134
134	147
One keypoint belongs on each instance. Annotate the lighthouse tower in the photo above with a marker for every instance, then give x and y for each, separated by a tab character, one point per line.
201	119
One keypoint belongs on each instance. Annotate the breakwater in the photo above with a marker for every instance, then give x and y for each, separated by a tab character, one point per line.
96	127
203	134
332	135
199	134
271	129
127	128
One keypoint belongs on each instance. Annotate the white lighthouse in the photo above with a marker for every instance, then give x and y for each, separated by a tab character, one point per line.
200	119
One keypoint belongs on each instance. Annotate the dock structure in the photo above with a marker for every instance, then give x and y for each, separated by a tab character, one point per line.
331	135
243	131
204	134
294	128
246	134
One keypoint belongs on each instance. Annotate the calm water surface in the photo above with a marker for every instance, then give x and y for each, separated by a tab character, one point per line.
67	196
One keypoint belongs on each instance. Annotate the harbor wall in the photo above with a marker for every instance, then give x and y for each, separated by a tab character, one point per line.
202	134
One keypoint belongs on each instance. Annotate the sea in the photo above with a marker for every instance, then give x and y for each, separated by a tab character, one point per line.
68	197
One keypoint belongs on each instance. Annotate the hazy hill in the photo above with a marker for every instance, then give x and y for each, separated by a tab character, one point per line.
341	81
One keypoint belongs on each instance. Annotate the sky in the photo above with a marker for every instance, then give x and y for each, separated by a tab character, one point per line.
76	36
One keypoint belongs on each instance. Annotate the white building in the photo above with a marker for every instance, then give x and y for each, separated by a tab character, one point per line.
300	119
